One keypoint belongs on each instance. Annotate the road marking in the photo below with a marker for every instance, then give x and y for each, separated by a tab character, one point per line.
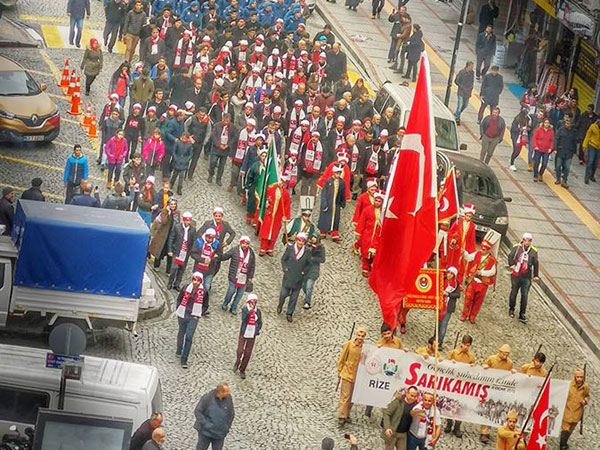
60	198
39	165
52	19
586	217
60	97
57	36
53	69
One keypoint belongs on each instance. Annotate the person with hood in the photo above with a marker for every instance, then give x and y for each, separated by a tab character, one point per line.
317	252
241	273
182	155
91	64
249	330
413	50
76	171
295	263
179	247
189	308
160	231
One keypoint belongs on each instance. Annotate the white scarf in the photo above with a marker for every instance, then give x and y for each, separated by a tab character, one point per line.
253	84
183	251
242	145
298	253
241	275
198	301
189	54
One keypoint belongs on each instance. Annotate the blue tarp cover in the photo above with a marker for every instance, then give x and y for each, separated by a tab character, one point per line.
79	249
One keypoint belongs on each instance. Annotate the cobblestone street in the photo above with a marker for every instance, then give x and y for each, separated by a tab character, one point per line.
288	401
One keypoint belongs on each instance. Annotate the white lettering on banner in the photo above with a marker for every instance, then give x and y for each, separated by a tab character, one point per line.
466	393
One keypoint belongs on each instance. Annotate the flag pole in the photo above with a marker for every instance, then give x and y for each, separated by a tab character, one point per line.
537	400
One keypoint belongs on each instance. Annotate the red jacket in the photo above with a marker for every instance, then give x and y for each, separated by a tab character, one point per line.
543	140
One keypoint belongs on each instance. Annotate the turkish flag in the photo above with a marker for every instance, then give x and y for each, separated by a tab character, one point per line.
448	205
539	432
408	232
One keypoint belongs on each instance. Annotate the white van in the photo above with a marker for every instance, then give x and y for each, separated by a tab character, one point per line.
401	97
107	388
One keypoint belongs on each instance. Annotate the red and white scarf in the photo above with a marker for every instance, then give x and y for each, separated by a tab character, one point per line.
206	254
201	64
242	145
241	275
224	135
250	332
154	45
183	251
354	154
298	138
288	65
340	138
198	301
298	253
290	172
274	64
164	27
189	54
373	163
257	61
313	157
253	84
295	119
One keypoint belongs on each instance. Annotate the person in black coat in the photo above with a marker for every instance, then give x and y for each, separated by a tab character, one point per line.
182	155
491	88
372	162
240	274
179	247
7	211
295	263
34	192
223	139
333	198
86	198
565	144
337	63
158	439
115	14
413	51
144	432
487	14
317	251
485	49
249	329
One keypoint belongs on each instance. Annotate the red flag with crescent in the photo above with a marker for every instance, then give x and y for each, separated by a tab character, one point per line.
448	205
408	231
539	432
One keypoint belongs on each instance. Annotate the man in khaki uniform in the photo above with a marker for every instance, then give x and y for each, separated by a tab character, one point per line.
387	340
461	354
347	366
499	361
535	367
578	397
397	419
509	433
429	349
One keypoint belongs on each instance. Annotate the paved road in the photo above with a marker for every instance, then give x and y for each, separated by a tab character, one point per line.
288	400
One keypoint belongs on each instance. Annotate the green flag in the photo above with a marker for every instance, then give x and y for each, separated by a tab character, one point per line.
268	177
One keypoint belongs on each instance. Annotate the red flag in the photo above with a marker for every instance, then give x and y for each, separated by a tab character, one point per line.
539	432
448	206
408	232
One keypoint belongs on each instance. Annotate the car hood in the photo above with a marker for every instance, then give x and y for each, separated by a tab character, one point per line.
26	105
486	207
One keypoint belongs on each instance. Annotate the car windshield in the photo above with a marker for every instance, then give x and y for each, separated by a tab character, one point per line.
445	132
478	184
17	82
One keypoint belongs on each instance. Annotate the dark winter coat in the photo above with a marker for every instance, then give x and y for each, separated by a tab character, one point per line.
487	14
329	217
33	193
465	80
78	8
216	138
86	200
115	201
7	213
336	65
485	44
415	47
160	231
214	416
532	260
141	436
175	240
317	258
294	269
134	22
114	11
491	88
565	141
182	155
233	253
245	315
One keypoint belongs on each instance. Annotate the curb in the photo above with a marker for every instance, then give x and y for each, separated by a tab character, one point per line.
509	241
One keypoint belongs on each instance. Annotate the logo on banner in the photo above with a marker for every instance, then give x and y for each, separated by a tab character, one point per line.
373	365
424	283
390	367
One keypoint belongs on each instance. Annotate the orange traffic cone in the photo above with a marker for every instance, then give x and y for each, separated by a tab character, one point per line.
77	89
87	117
75	104
64	79
93	131
71	87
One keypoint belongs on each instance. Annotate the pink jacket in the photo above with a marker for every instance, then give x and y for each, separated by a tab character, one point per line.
110	148
153	146
543	140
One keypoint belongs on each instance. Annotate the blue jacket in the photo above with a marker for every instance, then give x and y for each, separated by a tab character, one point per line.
78	8
76	169
291	23
189	15
173	130
266	18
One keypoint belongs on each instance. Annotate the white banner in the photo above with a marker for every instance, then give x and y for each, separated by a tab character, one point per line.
466	393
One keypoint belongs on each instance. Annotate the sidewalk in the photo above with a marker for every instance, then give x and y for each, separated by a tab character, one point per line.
564	222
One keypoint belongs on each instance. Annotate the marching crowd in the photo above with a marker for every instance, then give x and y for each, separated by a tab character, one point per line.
243	85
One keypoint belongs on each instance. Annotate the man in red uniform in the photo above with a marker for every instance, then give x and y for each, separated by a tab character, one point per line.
480	274
461	240
276	212
364	200
367	232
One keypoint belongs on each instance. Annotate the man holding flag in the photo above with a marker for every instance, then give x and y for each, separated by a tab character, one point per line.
409	228
508	434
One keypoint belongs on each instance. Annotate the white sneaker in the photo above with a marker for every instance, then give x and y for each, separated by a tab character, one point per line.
513	168
306	306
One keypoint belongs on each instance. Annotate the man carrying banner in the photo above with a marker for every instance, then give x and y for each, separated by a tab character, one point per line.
397	419
536	366
508	434
579	396
428	350
464	355
347	366
480	274
500	361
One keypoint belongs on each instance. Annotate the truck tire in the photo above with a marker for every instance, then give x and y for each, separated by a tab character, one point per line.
77	322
